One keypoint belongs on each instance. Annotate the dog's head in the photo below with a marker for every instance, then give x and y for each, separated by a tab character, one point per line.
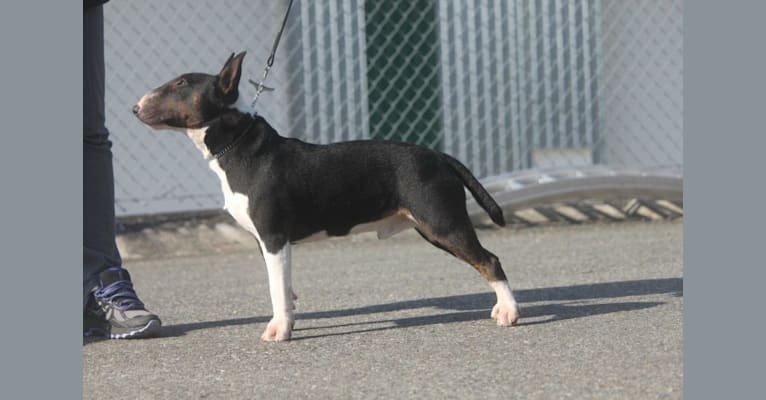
191	100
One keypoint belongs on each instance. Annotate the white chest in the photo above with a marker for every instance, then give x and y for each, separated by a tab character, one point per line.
237	204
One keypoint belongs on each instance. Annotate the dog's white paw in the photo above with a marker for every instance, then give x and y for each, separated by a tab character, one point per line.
279	329
506	314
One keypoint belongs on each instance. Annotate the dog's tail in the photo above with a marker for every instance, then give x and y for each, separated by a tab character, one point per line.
477	190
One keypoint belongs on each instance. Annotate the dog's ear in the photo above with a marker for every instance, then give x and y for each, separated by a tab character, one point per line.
228	60
228	78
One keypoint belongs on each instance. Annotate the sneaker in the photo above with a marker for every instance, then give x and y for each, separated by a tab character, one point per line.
116	310
93	321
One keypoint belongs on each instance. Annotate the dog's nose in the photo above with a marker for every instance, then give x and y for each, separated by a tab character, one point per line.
136	109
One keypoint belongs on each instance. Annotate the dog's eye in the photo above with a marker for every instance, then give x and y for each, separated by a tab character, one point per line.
181	82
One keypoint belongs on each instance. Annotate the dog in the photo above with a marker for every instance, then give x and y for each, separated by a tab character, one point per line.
286	191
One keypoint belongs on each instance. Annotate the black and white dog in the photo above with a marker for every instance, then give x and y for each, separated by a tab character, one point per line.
286	191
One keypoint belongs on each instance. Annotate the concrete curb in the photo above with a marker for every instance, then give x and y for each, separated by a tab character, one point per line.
215	232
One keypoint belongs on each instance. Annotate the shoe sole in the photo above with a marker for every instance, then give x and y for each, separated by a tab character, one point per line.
151	329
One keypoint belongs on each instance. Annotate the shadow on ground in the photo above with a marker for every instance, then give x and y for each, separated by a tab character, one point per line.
567	304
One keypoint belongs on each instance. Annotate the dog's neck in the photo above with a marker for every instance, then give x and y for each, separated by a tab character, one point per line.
228	131
198	135
232	141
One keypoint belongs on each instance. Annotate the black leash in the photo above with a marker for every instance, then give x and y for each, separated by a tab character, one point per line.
259	86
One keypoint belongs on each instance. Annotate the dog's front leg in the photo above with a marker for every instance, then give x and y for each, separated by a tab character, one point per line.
280	286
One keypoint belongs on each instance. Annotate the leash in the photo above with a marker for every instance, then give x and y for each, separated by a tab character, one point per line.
259	86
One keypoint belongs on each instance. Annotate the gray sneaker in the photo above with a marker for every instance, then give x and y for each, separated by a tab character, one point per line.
116	310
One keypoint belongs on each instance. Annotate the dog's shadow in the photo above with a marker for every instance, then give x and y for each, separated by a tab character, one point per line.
568	302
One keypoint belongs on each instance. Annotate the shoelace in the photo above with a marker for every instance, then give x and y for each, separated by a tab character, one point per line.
121	294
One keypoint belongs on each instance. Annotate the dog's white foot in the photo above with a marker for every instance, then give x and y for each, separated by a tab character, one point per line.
506	314
279	329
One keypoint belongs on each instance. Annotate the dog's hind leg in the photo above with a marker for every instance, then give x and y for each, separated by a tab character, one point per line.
458	238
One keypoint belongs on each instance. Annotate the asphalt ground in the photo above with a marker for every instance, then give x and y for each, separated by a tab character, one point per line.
601	318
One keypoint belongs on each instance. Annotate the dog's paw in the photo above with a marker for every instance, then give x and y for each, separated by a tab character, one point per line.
506	314
279	329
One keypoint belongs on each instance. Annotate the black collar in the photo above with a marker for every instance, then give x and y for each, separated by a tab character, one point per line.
234	142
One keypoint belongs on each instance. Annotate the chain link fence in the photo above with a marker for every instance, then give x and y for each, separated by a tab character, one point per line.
505	86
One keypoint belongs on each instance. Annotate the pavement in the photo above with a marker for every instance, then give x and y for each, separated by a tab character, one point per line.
601	318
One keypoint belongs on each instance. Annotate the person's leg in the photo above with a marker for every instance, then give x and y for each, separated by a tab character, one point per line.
99	248
110	304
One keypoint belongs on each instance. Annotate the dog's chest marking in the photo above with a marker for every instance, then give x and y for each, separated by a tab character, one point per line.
198	137
237	204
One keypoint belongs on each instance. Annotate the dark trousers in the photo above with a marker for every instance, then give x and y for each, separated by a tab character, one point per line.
99	247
